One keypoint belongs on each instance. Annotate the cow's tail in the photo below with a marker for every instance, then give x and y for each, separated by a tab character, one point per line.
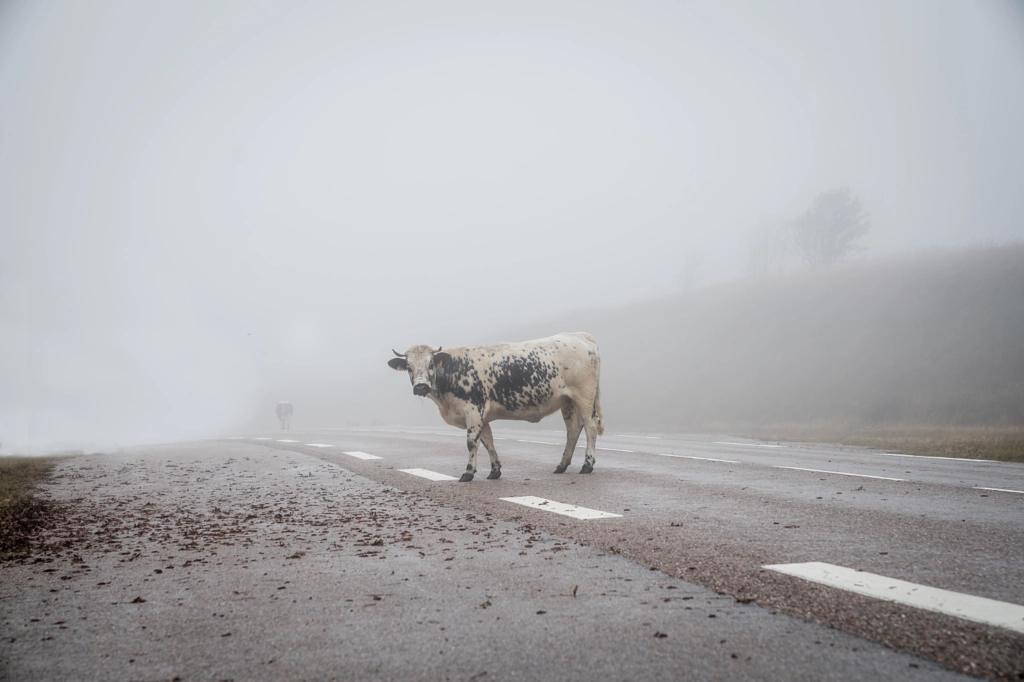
598	414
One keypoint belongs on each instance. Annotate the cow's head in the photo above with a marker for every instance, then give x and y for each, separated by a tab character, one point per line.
422	363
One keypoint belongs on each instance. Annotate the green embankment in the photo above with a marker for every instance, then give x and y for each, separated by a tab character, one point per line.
21	512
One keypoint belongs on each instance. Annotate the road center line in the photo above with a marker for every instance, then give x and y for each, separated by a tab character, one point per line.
560	507
708	459
978	609
285	440
841	473
426	473
749	445
361	455
1000	490
320	445
538	442
613	449
261	439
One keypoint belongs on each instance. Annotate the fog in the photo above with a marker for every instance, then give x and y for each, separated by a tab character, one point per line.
209	207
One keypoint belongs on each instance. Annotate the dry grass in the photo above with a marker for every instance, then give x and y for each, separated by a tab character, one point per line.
21	513
1004	444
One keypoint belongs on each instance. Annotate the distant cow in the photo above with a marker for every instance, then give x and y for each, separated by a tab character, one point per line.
284	413
475	385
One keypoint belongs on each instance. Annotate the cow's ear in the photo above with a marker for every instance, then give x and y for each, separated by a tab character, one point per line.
441	359
398	363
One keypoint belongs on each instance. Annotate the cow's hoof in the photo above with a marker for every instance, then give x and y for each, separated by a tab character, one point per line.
466	477
560	470
495	473
587	468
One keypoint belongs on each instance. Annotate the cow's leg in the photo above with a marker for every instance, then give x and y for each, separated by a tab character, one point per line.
487	438
474	428
590	425
573	426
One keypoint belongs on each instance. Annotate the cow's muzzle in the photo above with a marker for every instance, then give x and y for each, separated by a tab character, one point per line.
421	389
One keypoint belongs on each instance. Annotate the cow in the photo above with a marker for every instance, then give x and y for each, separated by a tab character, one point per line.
474	385
284	413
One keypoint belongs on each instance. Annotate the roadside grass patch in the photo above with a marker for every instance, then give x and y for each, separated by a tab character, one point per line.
1005	444
21	513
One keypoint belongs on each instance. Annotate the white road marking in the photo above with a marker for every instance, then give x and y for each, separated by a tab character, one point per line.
958	459
978	609
749	445
613	449
560	507
285	440
841	473
261	439
235	437
454	435
623	435
539	442
361	455
320	445
709	459
1000	490
432	475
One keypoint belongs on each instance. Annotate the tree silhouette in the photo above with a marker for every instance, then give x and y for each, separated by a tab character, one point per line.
826	233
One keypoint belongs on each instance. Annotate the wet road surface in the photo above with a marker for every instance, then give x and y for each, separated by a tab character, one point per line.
262	559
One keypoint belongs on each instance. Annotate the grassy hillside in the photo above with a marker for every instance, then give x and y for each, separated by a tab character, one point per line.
933	338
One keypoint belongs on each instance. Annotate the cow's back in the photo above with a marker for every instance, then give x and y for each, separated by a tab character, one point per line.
532	379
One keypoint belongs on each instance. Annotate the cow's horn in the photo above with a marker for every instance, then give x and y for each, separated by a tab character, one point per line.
438	349
401	355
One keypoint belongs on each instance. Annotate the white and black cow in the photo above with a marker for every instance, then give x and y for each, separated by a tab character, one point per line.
475	385
284	413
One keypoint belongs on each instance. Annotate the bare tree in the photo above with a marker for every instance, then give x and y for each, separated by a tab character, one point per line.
826	233
770	251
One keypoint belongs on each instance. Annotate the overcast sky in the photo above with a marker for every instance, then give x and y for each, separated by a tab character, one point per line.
203	202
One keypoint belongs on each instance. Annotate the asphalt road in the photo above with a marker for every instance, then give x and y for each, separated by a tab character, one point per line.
447	580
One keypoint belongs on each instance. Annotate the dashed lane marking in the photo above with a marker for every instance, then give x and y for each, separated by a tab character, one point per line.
361	455
841	473
613	449
285	440
432	475
1000	490
560	507
749	445
978	609
320	445
538	442
708	459
957	459
261	438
